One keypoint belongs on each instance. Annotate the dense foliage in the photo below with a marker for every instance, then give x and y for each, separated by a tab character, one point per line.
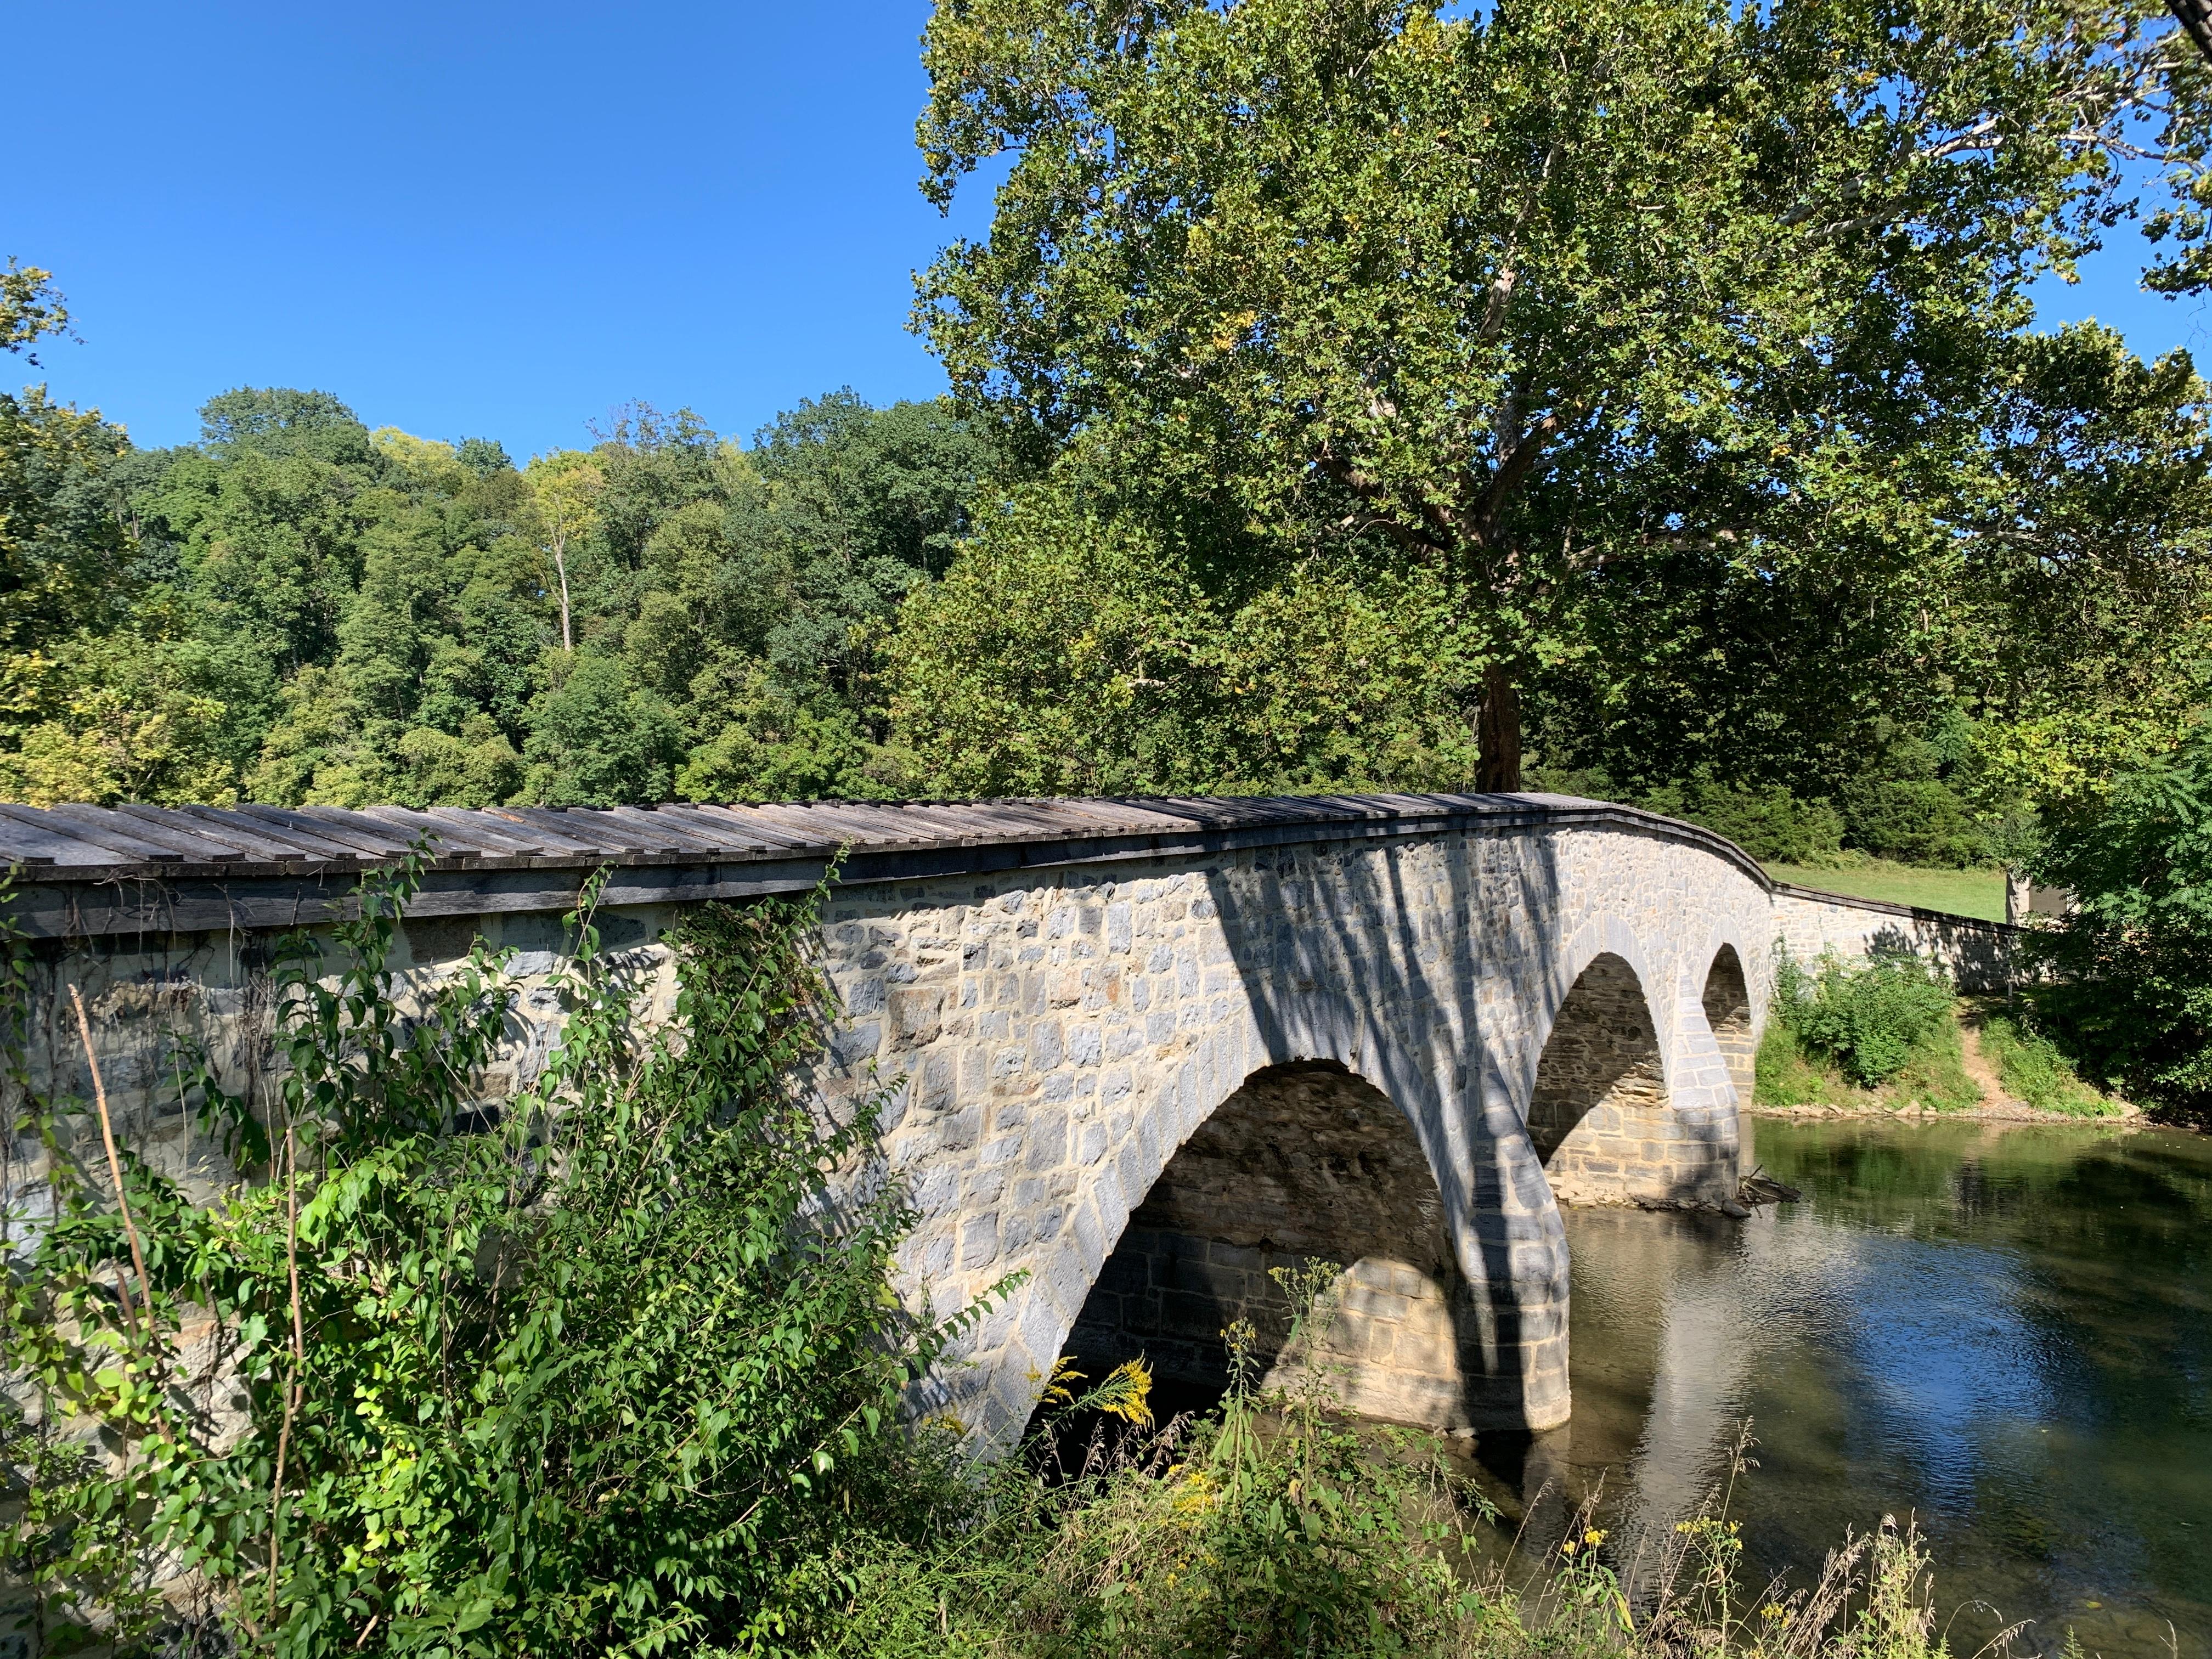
1867	1020
1656	382
2134	997
301	610
298	609
1345	396
596	1370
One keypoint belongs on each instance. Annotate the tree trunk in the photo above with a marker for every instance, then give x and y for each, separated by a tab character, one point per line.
1498	734
561	564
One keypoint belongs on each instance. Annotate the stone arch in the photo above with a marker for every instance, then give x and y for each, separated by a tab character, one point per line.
1544	995
1727	1003
1305	1164
1599	1116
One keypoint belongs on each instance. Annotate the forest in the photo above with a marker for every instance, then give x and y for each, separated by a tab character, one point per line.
870	603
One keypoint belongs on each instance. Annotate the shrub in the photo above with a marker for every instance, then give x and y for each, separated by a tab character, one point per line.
1870	1021
607	1374
1279	1528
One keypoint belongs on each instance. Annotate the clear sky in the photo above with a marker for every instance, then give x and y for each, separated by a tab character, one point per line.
503	219
493	219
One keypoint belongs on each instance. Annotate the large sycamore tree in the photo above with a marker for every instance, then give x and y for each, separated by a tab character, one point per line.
1590	313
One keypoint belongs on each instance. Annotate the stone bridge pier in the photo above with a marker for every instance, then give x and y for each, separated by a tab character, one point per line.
1136	1053
1146	1087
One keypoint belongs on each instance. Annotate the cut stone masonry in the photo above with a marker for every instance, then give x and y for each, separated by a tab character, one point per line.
1191	1040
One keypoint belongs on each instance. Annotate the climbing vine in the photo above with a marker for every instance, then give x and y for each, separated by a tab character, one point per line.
588	1369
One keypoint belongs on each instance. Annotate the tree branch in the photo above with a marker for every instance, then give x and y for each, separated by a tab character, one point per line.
1370	491
1516	466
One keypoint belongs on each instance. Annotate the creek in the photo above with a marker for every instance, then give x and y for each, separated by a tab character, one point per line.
2003	1333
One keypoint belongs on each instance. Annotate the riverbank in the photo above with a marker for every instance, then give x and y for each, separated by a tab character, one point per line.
1979	1060
2004	1111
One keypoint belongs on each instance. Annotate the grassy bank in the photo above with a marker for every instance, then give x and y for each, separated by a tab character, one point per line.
1893	1036
1979	893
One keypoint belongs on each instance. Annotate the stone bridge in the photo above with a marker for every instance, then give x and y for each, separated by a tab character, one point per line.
1142	1051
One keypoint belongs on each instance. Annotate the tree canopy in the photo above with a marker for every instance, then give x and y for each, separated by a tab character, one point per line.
1684	350
1369	395
301	608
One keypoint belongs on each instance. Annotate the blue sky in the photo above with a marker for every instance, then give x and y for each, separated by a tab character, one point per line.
495	219
505	220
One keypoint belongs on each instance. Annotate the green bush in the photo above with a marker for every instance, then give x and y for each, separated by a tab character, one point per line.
1870	1021
611	1375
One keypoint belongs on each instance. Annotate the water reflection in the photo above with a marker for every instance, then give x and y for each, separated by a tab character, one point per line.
2006	1332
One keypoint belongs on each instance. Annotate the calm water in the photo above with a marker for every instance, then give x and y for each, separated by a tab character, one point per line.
2005	1332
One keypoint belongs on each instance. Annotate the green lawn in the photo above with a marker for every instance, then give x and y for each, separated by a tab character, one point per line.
1961	892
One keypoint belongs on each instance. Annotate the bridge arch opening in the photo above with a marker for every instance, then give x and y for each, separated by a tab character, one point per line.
1728	1013
1598	1116
1305	1164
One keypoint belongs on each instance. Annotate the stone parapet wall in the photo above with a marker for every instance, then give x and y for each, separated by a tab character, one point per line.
1982	956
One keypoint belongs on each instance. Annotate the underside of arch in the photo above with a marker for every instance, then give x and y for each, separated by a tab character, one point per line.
1727	1013
1306	1165
1599	1115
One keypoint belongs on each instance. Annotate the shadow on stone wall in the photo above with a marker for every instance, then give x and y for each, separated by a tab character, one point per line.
1368	961
1304	1164
1600	1116
1727	1002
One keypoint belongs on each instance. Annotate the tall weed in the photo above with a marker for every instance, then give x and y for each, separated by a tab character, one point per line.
1274	1526
1271	1527
614	1374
